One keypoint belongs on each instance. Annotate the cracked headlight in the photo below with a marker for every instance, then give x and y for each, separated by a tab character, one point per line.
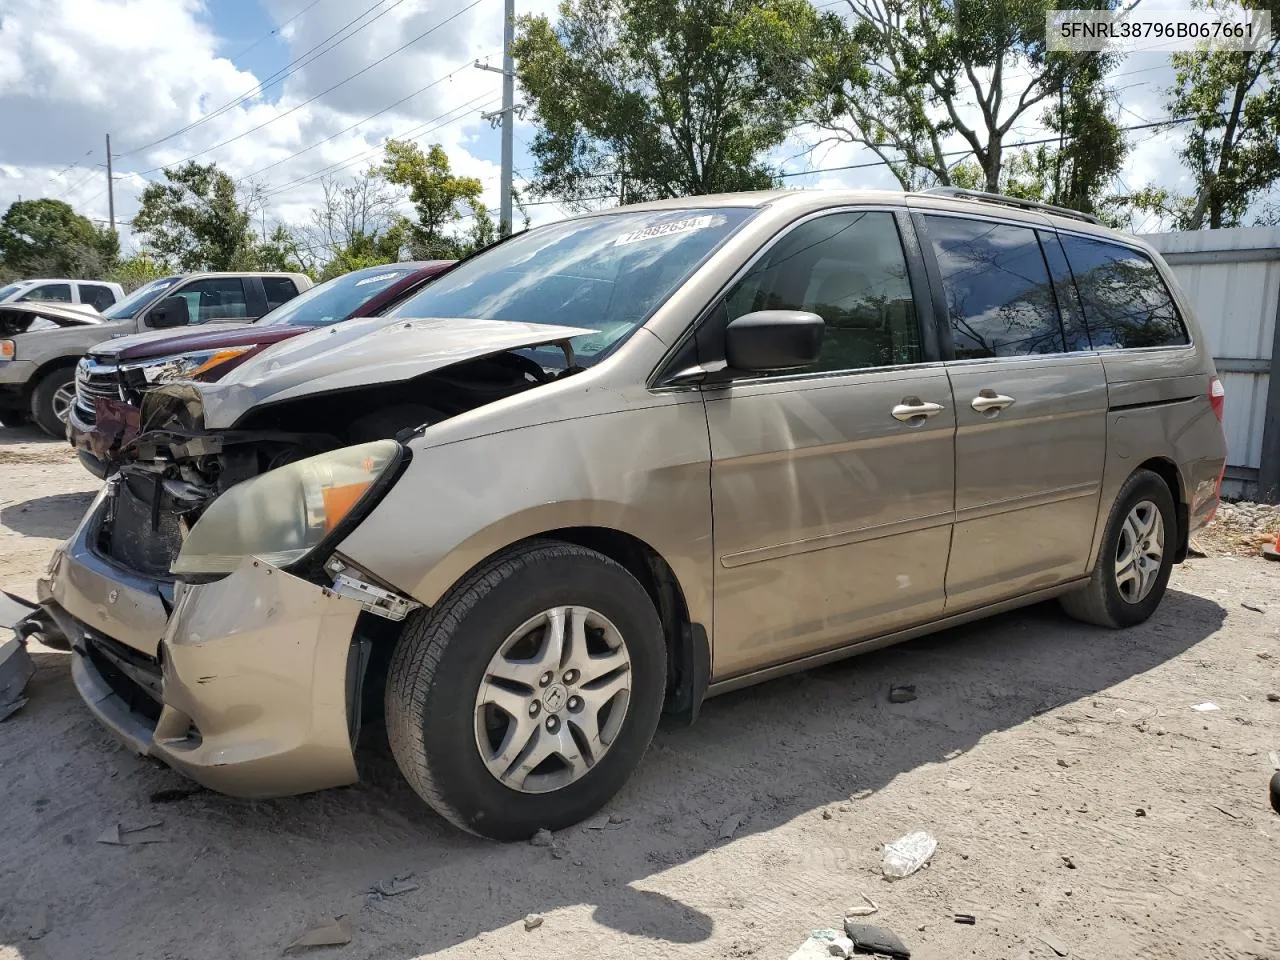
183	366
283	515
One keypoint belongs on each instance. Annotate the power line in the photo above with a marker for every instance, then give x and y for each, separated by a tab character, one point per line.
371	116
281	116
273	31
412	133
284	72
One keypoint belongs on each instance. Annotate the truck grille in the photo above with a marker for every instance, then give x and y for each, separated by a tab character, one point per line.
94	380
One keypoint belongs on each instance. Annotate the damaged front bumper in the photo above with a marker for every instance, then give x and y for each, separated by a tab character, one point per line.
249	685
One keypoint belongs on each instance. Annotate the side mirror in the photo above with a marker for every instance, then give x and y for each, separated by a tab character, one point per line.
771	340
169	312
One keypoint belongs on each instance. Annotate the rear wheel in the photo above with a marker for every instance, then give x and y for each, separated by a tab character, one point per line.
528	695
1135	560
51	401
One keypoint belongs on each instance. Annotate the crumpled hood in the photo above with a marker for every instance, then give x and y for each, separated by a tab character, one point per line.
356	353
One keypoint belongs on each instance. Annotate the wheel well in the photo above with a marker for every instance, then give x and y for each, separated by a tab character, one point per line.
43	370
1167	471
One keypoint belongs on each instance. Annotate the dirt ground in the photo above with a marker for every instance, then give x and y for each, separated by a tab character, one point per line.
1078	800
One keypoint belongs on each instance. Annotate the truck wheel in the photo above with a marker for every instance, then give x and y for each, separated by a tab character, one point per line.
528	695
1135	560
51	401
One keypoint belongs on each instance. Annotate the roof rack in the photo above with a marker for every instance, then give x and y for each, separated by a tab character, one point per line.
1000	198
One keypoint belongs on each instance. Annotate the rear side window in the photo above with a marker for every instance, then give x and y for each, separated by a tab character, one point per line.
96	295
50	292
279	290
1125	300
215	298
849	268
1000	300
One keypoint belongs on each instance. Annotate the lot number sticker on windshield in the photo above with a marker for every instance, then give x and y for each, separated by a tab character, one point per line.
666	229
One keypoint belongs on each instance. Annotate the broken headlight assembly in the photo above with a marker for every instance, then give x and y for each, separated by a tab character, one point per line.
182	366
282	515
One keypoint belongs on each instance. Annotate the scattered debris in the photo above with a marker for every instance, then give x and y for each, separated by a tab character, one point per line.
907	854
1063	763
395	886
878	940
862	909
861	794
16	668
1068	862
175	794
118	836
902	693
1206	707
38	925
617	820
1253	606
334	932
1140	812
1052	944
1275	792
599	823
813	948
533	921
731	825
826	814
557	851
966	918
543	837
1273	697
1226	812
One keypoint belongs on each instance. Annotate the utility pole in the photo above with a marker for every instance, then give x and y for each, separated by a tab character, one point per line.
506	116
111	188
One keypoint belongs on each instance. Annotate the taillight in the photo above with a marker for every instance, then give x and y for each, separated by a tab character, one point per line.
1217	398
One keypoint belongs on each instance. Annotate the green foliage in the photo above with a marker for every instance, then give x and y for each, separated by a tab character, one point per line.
899	77
1232	150
47	238
642	99
440	199
195	220
132	272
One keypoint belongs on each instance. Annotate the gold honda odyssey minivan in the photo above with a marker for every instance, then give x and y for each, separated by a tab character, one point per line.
614	465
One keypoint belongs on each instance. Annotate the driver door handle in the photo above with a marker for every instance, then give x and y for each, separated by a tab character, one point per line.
988	401
913	408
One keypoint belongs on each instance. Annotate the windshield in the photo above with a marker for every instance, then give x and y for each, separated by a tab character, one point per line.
132	305
608	272
335	299
11	289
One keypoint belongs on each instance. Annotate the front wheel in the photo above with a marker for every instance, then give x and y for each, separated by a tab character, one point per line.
51	401
528	695
1135	559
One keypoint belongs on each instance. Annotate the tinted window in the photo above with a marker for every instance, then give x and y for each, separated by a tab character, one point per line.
53	292
1125	300
1064	287
9	290
96	295
607	273
217	298
1000	301
335	299
279	290
132	305
849	269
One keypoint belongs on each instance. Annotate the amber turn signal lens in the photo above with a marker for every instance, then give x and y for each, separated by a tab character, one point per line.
338	501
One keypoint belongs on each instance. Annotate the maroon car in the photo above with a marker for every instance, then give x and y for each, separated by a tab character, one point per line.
112	377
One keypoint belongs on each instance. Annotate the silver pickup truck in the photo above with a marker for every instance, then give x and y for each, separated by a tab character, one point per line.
40	343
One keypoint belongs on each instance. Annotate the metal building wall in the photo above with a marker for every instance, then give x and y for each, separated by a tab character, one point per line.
1232	278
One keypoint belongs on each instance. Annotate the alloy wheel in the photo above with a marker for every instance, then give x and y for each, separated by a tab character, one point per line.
1139	552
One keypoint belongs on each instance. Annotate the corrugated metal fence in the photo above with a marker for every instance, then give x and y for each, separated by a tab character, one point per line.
1232	278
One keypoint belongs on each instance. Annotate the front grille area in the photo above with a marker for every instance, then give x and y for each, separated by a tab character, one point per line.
144	539
133	676
94	380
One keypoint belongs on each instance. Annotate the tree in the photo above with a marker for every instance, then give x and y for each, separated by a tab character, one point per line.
899	76
1233	148
132	272
440	199
355	226
196	221
48	238
641	99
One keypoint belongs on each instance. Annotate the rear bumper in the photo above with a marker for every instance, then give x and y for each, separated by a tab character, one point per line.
244	687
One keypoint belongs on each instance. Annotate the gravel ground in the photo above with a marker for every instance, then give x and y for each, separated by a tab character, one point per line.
1077	799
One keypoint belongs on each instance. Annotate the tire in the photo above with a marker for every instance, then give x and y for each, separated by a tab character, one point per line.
442	663
46	397
1104	601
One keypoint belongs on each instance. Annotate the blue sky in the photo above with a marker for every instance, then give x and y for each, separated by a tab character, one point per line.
154	74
